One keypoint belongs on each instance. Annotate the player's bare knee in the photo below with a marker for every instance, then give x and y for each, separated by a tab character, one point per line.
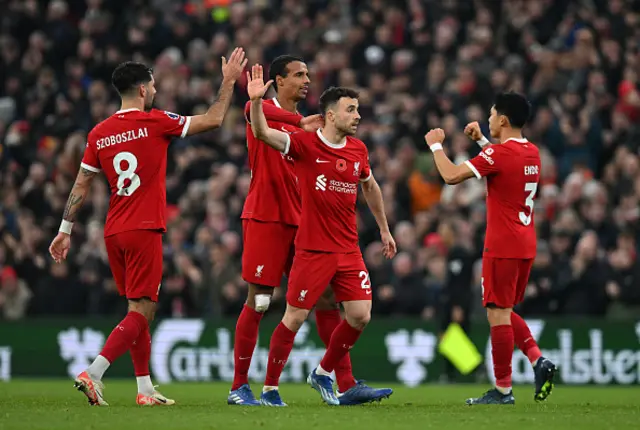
294	318
144	306
359	320
498	316
358	314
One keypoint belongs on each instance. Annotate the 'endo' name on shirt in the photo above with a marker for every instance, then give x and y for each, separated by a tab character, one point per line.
125	136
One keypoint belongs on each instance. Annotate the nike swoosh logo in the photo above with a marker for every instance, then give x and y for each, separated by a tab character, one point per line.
368	292
285	130
321	161
244	358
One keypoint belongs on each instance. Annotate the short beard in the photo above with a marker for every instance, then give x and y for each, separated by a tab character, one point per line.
346	131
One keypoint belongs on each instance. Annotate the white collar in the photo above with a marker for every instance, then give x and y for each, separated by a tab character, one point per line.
276	102
329	144
523	140
128	110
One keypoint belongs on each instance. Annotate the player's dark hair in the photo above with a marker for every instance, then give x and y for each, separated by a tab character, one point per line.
279	65
127	76
332	95
515	107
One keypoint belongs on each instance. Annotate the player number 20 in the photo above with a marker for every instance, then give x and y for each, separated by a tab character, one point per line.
128	173
365	284
531	188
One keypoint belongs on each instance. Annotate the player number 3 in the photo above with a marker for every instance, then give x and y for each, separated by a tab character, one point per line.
128	173
531	188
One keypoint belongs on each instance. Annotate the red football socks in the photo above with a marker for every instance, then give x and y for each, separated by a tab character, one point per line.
327	321
342	340
502	344
244	344
523	339
123	336
279	351
141	353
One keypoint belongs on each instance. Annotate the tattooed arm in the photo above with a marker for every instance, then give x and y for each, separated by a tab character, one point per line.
78	193
59	248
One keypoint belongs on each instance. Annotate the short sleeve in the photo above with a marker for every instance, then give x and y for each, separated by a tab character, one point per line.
366	173
172	124
488	162
90	160
296	147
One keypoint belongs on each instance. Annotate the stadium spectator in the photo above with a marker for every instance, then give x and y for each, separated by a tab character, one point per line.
418	65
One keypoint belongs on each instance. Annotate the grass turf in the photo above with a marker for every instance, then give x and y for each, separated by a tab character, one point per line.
37	404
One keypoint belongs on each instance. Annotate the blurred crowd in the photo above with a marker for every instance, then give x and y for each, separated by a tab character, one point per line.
419	64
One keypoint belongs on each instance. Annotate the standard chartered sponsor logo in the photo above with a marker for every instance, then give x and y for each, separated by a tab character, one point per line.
178	355
321	183
336	186
593	364
343	187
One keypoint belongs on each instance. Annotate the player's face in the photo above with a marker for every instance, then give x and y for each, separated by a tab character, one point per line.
296	84
149	93
345	115
494	123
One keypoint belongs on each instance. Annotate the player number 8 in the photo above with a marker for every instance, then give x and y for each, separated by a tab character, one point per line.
531	187
128	173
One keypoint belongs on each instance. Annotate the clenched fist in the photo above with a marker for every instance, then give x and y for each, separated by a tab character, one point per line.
434	136
473	131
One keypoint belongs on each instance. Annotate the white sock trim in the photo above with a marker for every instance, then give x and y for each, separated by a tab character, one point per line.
504	390
145	386
98	367
321	371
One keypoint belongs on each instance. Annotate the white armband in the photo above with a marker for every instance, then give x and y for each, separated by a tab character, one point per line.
65	226
483	142
436	147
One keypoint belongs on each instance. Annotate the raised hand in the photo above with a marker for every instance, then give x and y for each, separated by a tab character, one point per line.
233	68
473	131
256	86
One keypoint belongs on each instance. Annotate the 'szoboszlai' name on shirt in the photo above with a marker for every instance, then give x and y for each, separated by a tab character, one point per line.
125	136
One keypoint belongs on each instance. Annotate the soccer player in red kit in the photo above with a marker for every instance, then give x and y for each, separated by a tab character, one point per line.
330	164
270	221
130	147
512	169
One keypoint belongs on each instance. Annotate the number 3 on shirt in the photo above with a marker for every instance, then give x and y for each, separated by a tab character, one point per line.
128	173
531	187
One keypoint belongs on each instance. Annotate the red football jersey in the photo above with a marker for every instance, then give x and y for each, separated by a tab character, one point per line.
329	175
512	170
131	148
273	193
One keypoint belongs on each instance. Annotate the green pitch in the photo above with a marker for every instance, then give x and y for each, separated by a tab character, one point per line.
56	405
